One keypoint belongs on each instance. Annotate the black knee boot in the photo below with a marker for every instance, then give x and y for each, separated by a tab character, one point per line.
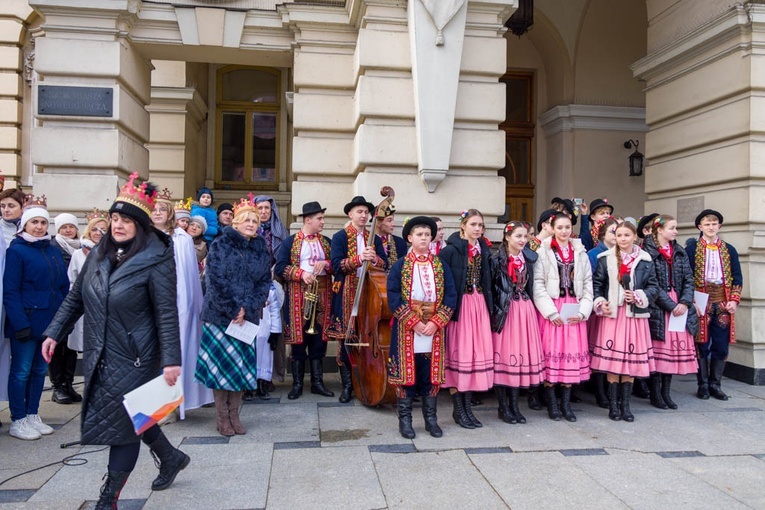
613	402
430	416
565	404
514	395
469	409
625	404
405	418
640	388
459	414
656	397
666	383
317	379
716	368
298	372
503	408
702	376
534	400
552	403
169	460
599	382
347	382
110	490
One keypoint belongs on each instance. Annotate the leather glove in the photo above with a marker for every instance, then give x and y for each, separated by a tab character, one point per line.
24	335
272	340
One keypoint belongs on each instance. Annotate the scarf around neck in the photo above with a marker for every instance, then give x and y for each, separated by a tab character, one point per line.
69	245
32	239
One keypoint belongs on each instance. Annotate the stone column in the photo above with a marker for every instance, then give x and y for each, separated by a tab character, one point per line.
176	115
82	160
704	75
14	15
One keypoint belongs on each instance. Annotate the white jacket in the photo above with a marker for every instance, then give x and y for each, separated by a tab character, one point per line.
547	280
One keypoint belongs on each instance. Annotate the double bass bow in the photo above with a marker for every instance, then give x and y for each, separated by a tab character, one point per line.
367	337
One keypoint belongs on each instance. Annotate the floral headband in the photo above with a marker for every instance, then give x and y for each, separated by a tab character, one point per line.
513	225
658	222
463	214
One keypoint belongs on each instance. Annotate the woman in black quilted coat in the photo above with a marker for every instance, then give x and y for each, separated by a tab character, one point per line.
126	291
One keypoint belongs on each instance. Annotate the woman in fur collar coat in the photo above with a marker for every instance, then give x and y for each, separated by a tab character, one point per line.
625	287
563	276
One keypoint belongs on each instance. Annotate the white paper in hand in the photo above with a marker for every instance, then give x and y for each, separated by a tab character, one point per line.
245	332
568	310
700	299
677	324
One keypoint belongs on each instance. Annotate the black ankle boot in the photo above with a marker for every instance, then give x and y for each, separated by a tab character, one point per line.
317	379
613	402
656	398
430	416
625	403
716	368
347	382
565	404
503	406
533	399
405	418
110	490
469	410
702	376
459	414
76	397
514	395
666	383
262	391
552	403
60	396
298	372
599	386
169	460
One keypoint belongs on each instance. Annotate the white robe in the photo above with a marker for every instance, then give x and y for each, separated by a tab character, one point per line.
270	322
5	344
189	294
75	340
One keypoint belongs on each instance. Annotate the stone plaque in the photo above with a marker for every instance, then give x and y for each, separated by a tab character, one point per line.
689	208
75	101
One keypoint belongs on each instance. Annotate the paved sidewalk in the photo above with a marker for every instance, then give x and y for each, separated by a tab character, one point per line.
314	452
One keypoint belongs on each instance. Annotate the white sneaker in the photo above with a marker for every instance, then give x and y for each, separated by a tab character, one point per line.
22	429
37	424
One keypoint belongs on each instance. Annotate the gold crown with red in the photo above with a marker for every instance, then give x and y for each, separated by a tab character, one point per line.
137	195
164	196
97	214
33	201
245	204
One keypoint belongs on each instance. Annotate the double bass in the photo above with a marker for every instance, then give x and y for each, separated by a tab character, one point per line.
367	338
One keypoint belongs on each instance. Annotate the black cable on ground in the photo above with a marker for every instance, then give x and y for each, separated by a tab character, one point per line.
71	460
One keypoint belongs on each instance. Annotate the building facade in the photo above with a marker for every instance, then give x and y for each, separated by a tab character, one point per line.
327	99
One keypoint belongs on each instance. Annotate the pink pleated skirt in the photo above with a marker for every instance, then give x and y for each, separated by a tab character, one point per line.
623	346
518	358
469	364
566	351
677	353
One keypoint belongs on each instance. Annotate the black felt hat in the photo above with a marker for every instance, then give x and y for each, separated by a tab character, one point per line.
644	222
568	206
598	203
546	215
708	212
419	221
312	208
359	201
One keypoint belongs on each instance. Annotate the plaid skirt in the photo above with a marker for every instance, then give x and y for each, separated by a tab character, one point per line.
225	363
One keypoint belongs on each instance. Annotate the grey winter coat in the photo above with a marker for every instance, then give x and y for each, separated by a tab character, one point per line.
130	333
682	282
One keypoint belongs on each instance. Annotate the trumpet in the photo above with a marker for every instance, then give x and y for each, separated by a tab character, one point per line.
310	304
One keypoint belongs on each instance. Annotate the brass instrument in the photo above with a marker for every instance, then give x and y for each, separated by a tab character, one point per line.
310	305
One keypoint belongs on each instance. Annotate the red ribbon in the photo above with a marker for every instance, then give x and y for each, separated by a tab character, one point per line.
514	265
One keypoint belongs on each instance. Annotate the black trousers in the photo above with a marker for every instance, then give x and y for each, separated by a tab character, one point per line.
422	385
124	457
62	365
312	348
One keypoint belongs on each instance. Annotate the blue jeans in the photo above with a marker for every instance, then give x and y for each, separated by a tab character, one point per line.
27	378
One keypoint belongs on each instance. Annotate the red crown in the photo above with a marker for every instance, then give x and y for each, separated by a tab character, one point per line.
137	195
164	195
245	204
97	214
33	201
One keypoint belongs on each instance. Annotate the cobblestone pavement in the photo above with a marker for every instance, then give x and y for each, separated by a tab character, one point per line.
314	452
